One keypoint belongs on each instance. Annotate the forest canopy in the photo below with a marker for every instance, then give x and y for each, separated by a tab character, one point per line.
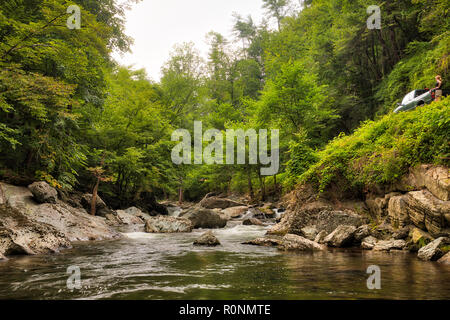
69	113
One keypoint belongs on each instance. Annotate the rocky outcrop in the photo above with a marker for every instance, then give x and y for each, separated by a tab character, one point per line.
252	222
164	224
362	232
204	218
127	218
208	239
435	178
388	245
434	250
423	210
292	242
320	238
341	237
43	192
75	224
420	237
220	203
20	235
309	233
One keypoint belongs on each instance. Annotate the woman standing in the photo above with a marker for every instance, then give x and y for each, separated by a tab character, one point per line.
438	87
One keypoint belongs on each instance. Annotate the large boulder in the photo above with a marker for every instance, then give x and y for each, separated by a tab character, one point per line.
207	239
434	250
164	224
128	218
388	245
221	203
43	192
20	235
341	237
428	212
297	243
419	236
320	238
362	232
204	218
234	212
397	211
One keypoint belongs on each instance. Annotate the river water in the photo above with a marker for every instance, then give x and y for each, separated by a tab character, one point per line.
158	266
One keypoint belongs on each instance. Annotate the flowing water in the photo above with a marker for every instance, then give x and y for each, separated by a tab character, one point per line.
158	266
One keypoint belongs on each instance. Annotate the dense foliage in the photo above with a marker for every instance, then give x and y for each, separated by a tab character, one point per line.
71	116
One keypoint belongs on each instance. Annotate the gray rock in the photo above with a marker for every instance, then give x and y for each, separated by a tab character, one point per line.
43	192
20	235
362	232
101	209
128	218
341	237
320	238
204	218
368	243
309	233
401	234
388	245
432	251
296	243
264	242
234	212
330	220
252	222
221	203
164	224
207	239
445	259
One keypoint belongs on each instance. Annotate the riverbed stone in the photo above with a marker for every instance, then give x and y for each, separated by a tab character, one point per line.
252	222
388	245
43	192
362	232
264	242
165	224
235	212
434	250
309	233
445	259
220	203
204	218
368	243
207	239
292	242
341	237
128	219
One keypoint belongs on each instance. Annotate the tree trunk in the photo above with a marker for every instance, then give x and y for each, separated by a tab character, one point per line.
180	192
94	197
262	186
250	186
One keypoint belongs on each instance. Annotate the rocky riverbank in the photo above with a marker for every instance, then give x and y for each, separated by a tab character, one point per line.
413	215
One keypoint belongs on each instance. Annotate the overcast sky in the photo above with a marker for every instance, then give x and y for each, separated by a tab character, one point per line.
157	25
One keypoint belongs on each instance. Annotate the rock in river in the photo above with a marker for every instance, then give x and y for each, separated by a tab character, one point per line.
252	222
204	218
388	245
297	243
221	203
433	251
207	239
164	224
341	237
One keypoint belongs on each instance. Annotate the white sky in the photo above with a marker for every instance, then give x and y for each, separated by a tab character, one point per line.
157	25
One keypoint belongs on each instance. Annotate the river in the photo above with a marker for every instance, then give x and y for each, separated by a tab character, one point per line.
168	266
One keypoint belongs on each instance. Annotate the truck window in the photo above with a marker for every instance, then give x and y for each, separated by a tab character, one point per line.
409	97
